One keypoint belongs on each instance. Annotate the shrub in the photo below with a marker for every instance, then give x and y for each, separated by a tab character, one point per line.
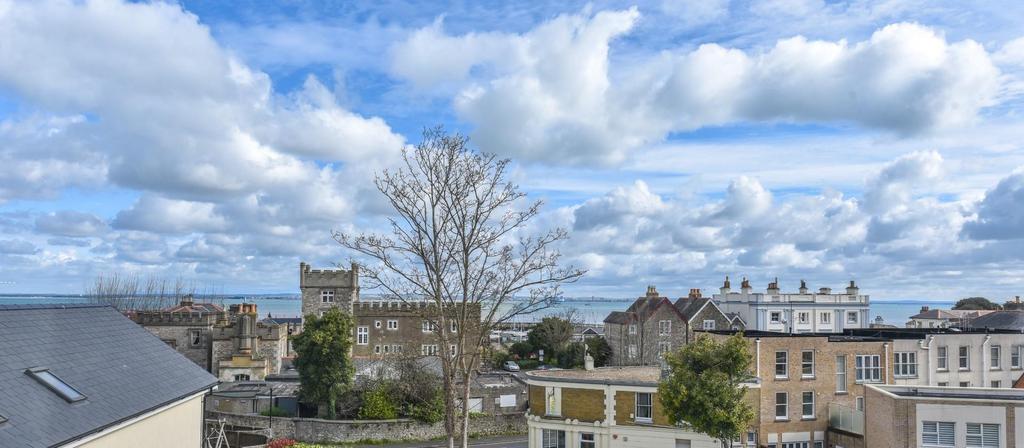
430	412
275	412
378	405
523	350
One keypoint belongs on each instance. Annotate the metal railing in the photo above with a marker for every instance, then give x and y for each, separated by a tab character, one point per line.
845	418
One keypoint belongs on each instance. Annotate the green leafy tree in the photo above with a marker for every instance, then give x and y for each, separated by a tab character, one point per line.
704	387
522	349
976	303
551	334
600	350
322	358
378	404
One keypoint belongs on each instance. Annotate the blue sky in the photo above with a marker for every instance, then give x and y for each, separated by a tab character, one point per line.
679	142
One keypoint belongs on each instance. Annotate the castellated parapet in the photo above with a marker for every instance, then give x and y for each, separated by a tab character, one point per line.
323	289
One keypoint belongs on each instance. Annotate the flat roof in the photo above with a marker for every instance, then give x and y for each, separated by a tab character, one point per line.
953	393
632	375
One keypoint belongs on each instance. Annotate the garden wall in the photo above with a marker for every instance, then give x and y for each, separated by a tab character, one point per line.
319	430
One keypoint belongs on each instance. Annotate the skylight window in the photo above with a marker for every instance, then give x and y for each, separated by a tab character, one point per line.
55	384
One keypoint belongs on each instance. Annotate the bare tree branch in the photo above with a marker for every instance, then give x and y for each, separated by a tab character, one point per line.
459	241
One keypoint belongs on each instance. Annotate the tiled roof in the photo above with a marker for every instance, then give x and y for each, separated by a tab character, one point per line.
197	307
122	369
1000	320
689	307
618	317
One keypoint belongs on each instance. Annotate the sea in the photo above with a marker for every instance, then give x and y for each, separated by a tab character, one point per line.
590	310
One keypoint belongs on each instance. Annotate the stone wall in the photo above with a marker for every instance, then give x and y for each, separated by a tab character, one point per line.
179	336
317	430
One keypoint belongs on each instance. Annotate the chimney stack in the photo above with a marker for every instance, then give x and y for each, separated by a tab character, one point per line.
652	291
803	286
852	290
745	286
694	293
773	287
825	291
187	300
924	309
726	287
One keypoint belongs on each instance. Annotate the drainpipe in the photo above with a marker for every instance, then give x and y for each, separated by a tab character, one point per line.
984	356
926	346
757	356
887	364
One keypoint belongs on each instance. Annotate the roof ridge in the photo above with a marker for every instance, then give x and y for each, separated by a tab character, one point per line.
48	306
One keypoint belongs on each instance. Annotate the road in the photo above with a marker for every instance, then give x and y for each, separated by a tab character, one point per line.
483	442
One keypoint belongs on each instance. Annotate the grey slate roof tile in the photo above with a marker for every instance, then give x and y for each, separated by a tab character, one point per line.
122	369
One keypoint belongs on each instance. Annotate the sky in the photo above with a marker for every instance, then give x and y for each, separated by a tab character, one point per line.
678	141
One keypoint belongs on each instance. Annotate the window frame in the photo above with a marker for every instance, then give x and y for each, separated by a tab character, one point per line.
825	318
841	383
804	403
868	372
852	317
784	364
631	329
705	325
552	438
1015	357
428	349
995	357
942	358
963	357
327	296
649	406
197	340
803	317
56	384
783	405
664	327
804	364
982	440
937	433
363	335
905	364
775	317
591	443
392	321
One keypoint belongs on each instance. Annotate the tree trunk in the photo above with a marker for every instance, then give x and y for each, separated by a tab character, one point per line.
465	412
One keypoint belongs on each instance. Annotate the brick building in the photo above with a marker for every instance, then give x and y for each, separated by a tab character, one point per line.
602	408
913	416
653	325
383	328
805	378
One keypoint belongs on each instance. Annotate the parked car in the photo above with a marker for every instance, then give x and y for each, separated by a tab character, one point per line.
511	366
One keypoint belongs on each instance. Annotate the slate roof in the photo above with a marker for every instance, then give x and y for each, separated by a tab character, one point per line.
689	307
617	317
122	369
1000	320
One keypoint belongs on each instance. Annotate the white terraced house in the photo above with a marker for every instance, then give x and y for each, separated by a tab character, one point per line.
801	312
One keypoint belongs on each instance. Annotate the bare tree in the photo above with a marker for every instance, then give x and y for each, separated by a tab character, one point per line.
458	239
132	293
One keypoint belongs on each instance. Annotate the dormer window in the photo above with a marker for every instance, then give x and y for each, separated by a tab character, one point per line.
327	296
57	385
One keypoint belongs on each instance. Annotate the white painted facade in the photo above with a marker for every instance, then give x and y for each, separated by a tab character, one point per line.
801	312
606	433
990	360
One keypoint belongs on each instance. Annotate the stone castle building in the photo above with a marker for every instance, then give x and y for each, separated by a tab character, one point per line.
383	328
232	344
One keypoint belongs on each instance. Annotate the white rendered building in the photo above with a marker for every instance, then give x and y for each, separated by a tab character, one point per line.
801	312
959	358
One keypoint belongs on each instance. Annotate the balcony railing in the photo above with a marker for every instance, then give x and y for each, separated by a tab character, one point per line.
845	418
